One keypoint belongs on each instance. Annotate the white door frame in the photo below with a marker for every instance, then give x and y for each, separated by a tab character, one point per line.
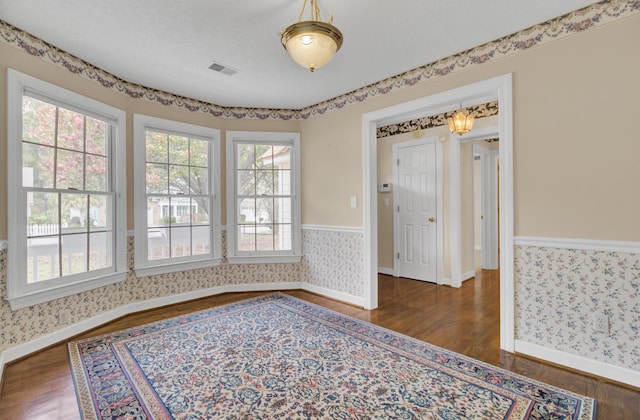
498	88
439	203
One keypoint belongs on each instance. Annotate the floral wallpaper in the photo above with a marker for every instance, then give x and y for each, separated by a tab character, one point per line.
332	260
559	290
552	30
25	324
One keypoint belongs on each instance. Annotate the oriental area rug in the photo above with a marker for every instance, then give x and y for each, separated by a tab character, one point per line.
278	357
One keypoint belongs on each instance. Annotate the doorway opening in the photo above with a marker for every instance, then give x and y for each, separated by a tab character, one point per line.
485	204
498	88
461	151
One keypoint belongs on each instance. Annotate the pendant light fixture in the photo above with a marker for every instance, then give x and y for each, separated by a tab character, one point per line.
461	122
311	43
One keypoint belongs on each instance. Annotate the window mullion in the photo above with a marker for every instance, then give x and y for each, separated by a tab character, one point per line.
60	235
55	150
88	247
84	153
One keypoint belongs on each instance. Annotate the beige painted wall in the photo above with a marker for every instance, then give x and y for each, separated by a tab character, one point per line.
575	154
584	189
575	176
17	60
573	97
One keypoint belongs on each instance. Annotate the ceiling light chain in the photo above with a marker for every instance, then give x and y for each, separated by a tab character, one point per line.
312	43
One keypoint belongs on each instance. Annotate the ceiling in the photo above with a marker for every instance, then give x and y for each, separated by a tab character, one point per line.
169	44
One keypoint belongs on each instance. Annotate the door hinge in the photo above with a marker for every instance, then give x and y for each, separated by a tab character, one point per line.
398	210
398	256
398	162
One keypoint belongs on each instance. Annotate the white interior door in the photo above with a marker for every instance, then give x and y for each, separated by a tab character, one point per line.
415	200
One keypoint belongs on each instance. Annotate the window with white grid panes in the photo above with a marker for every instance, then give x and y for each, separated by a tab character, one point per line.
178	189
67	229
263	196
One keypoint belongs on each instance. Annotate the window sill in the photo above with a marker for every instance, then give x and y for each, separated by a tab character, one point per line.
42	296
264	259
175	267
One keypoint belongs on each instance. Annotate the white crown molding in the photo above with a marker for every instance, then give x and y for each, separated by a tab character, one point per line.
327	228
594	367
628	247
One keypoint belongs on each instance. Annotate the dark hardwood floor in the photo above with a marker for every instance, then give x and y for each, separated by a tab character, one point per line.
464	320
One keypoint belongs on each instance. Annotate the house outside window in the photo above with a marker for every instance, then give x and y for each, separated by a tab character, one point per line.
67	227
263	197
177	217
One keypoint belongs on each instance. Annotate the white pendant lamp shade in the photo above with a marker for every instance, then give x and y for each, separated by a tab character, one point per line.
312	43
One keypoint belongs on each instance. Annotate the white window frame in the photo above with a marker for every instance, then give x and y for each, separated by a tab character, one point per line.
20	294
144	266
291	139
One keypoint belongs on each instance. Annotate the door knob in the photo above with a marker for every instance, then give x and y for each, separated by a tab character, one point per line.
432	219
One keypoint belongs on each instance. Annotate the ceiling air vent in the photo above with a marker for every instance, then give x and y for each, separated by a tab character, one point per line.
224	69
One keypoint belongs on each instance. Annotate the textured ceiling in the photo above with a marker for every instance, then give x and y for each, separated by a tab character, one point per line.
169	44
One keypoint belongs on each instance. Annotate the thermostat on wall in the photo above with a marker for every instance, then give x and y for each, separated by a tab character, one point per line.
384	187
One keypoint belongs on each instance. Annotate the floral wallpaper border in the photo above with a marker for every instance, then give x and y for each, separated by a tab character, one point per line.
575	22
478	111
557	291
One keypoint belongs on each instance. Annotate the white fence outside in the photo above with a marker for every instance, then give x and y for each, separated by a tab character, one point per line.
42	229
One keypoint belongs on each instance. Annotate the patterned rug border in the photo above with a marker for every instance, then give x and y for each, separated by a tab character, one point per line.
458	365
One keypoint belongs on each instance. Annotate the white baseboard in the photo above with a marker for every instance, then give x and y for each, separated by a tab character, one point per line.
385	270
468	275
1	370
25	349
333	294
446	281
594	367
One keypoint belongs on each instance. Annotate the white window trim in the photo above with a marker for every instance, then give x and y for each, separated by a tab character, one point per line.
262	137
19	294
143	266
